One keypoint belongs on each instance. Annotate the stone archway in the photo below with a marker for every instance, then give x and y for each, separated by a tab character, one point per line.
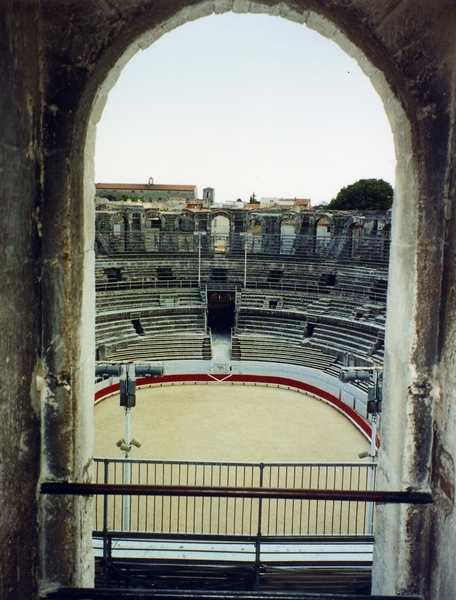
56	79
318	22
254	234
220	232
355	234
371	61
323	232
288	230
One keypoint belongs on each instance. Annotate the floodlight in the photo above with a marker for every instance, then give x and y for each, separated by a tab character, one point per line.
125	447
120	442
148	370
136	443
348	376
108	370
127	393
372	407
364	454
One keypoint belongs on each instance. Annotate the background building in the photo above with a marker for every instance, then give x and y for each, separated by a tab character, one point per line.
150	192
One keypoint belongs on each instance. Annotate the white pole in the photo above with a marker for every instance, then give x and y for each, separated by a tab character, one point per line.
245	261
199	258
373	451
126	519
373	448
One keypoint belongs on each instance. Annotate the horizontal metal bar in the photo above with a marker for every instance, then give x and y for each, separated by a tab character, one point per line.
266	465
390	497
136	594
208	537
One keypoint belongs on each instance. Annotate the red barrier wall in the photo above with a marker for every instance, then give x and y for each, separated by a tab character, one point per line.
241	378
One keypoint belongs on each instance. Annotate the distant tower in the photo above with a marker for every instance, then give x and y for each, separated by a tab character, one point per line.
208	194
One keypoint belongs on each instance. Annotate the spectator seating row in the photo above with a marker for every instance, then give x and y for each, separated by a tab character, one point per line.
146	299
271	349
172	346
362	343
280	323
355	281
334	335
117	330
351	307
314	318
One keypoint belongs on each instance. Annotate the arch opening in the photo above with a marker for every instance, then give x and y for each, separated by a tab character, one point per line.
220	232
405	181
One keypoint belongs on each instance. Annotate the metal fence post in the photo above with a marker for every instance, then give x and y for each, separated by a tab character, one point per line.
106	549
256	583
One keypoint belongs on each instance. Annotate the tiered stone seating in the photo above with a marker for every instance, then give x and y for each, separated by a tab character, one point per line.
289	300
110	332
115	333
313	307
314	304
145	299
173	346
172	321
362	283
352	308
145	272
276	322
150	322
359	342
271	349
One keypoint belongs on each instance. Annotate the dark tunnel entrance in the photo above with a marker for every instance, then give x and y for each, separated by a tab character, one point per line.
220	311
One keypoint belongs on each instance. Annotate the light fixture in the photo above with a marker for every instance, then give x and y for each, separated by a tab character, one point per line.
136	443
125	447
120	442
364	454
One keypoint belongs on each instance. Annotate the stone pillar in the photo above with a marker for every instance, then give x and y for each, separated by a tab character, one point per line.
20	303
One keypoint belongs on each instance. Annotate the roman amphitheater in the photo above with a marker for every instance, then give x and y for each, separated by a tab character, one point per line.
250	313
280	303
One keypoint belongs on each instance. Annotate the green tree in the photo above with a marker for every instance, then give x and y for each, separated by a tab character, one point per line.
125	197
365	194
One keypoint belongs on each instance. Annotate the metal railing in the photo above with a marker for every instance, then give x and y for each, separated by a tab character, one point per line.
343	290
243	493
222	515
369	250
141	284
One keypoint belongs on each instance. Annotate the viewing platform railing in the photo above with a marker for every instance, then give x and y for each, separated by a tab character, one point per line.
246	514
241	514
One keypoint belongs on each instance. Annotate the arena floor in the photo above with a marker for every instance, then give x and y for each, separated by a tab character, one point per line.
227	422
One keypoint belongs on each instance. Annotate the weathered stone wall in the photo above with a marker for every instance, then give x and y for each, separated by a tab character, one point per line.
20	306
240	220
58	61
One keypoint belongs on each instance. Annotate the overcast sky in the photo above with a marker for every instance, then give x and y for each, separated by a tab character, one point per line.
243	104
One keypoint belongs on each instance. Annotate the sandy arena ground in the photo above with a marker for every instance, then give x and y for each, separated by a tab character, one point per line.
226	422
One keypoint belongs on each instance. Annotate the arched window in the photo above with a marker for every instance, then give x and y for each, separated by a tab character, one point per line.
287	235
253	233
220	231
356	232
322	234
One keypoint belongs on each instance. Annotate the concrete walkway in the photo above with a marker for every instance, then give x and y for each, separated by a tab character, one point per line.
221	346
